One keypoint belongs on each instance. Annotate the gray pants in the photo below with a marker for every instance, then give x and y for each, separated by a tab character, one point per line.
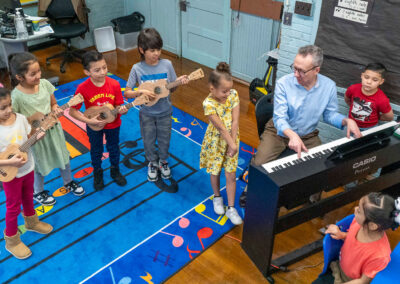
38	184
155	129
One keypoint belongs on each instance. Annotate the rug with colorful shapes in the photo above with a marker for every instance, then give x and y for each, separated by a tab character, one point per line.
138	233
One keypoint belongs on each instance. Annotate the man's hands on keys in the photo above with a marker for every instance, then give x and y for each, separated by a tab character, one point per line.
295	143
352	128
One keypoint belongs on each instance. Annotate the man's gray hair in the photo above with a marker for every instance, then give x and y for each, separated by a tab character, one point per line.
314	51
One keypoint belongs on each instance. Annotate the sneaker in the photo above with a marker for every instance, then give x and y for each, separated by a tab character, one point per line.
152	173
44	198
117	176
165	170
218	203
98	182
366	179
233	215
350	186
75	188
314	198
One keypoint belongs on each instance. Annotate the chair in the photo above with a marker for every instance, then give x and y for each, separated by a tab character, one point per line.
331	246
390	273
264	110
65	24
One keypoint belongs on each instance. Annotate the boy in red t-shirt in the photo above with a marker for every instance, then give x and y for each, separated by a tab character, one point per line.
368	103
99	90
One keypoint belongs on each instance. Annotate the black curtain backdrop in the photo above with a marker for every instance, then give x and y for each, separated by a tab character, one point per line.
348	45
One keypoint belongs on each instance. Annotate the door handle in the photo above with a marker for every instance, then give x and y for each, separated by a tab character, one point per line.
183	5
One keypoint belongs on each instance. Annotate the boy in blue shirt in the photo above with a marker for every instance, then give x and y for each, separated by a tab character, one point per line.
155	120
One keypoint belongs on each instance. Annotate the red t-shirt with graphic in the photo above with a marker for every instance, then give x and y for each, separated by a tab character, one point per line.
109	93
364	109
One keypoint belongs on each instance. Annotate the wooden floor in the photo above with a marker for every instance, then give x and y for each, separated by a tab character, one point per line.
225	261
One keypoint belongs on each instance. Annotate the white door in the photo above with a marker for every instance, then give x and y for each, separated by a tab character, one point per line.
206	30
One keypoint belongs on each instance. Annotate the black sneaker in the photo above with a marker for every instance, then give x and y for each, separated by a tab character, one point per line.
98	182
75	188
44	198
117	176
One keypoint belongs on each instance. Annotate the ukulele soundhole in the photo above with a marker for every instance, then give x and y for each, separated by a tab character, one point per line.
102	116
157	90
36	123
10	156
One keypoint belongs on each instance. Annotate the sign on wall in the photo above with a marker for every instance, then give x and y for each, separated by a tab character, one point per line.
353	33
353	10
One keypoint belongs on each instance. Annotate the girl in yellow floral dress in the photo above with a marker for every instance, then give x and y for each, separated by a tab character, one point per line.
221	141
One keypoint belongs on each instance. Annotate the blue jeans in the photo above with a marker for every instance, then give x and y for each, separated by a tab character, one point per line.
97	148
154	129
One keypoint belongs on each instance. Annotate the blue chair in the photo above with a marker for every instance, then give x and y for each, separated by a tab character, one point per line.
331	246
390	274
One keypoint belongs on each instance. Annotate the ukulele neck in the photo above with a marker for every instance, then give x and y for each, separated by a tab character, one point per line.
28	143
128	106
64	106
172	85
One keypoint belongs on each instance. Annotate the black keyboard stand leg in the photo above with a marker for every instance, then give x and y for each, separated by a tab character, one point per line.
270	279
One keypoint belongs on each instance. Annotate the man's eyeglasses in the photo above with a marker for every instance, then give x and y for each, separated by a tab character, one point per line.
301	72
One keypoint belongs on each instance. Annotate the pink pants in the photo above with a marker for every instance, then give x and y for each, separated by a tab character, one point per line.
18	191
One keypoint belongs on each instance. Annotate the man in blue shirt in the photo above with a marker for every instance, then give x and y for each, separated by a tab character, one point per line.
300	98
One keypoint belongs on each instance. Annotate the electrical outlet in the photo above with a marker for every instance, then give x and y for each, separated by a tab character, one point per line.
287	18
303	8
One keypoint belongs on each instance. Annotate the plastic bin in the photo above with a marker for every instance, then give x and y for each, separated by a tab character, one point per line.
104	39
126	41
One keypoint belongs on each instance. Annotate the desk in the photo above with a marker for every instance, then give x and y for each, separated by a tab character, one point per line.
391	273
15	45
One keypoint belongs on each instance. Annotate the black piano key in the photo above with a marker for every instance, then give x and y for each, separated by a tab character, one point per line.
280	167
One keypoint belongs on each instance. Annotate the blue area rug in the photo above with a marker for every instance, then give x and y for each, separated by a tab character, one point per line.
132	234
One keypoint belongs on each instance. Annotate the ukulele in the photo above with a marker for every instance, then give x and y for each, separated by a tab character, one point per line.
108	113
36	119
8	173
161	88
